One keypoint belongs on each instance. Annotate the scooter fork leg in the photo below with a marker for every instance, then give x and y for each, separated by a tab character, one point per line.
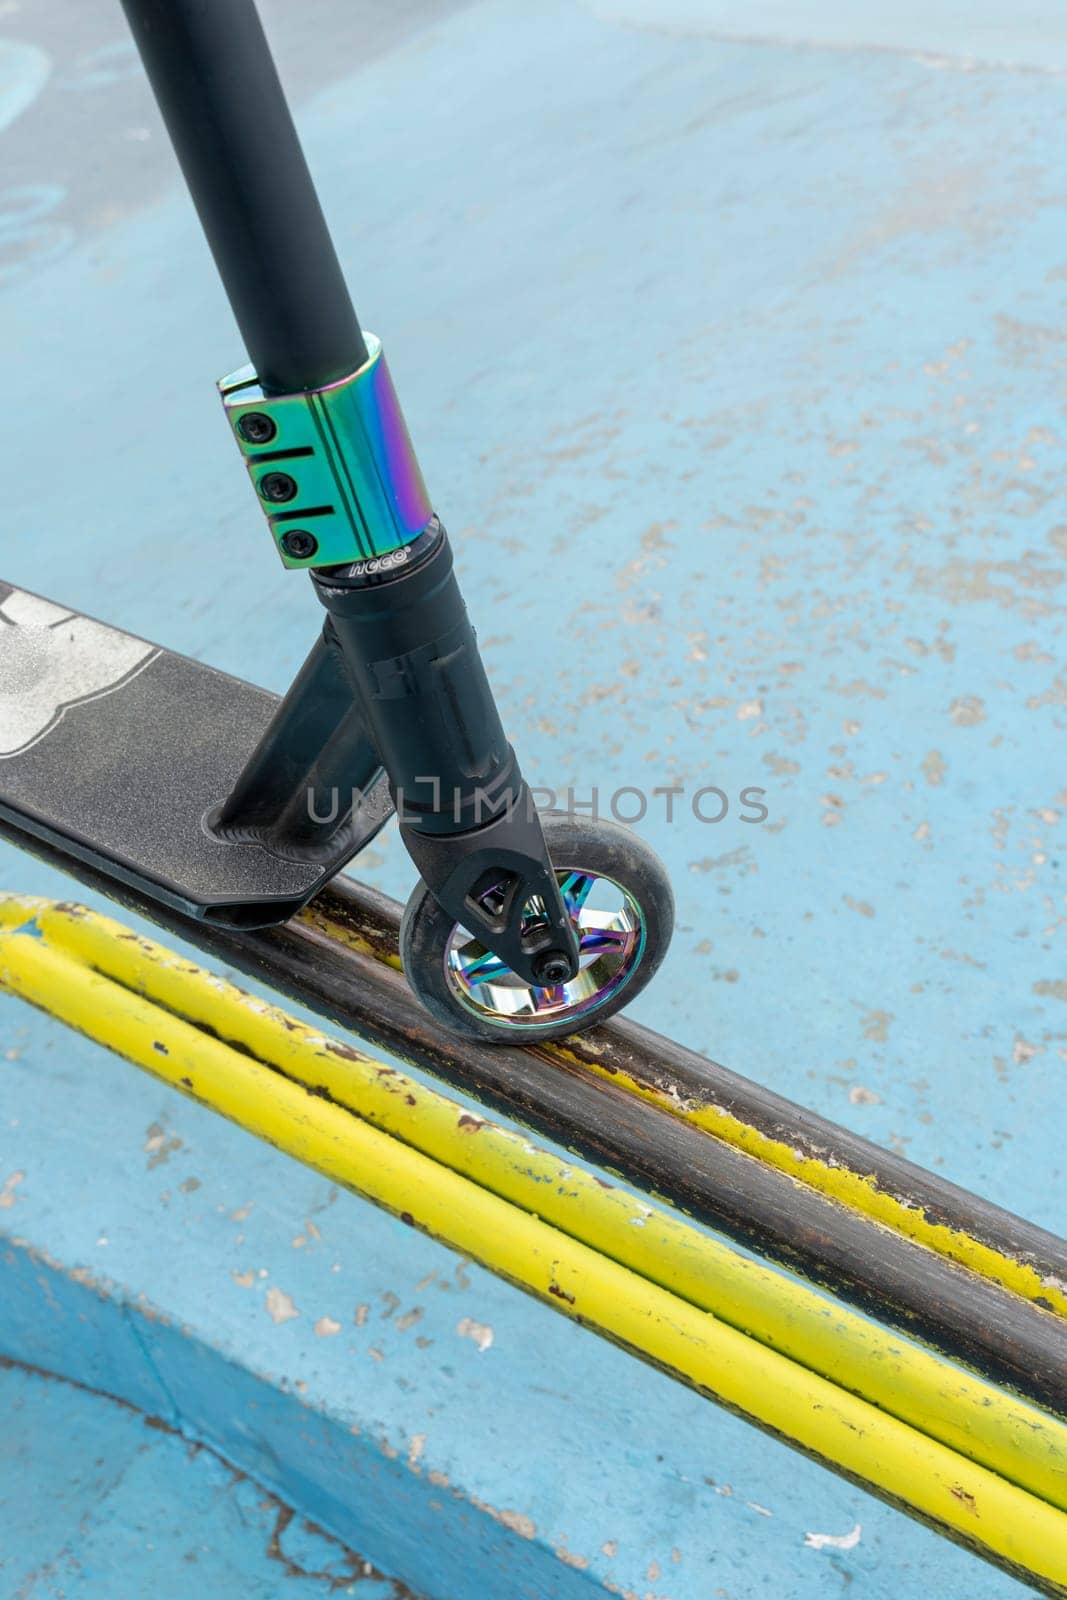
466	814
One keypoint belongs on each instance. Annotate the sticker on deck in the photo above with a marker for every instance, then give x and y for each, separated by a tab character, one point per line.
51	660
118	754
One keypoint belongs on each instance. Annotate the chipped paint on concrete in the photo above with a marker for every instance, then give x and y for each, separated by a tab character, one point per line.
834	1541
859	1095
480	1333
515	1521
108	1501
280	1306
158	1146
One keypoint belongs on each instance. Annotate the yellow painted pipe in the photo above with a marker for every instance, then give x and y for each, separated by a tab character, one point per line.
843	1184
857	1190
1017	1440
961	1497
1022	1443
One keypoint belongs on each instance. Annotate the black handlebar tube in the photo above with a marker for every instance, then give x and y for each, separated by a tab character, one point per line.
212	72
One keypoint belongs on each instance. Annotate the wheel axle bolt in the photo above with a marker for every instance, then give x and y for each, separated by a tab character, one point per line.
255	427
300	544
552	967
277	486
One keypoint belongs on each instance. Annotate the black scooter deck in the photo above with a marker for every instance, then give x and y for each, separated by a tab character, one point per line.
119	751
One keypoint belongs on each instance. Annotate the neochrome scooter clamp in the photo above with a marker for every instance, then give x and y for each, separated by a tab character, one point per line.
334	468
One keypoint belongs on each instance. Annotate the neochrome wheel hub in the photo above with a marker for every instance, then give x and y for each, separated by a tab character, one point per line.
610	929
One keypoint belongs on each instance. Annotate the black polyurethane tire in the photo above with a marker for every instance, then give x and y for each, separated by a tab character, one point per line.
605	849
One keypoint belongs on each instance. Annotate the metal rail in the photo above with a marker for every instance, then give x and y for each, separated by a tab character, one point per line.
900	1243
957	1453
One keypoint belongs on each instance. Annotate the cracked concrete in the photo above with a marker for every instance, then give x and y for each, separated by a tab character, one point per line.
101	1499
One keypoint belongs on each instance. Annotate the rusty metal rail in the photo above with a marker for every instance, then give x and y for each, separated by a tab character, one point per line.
973	1281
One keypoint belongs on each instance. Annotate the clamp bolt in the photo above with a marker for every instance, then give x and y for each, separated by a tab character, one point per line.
299	544
255	427
277	486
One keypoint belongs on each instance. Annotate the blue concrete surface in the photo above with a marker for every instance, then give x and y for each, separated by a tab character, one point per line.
97	1503
951	33
736	371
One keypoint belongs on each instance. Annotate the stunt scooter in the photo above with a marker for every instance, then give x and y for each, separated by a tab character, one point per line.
224	803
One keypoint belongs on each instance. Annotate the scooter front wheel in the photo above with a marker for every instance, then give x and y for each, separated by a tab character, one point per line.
619	900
